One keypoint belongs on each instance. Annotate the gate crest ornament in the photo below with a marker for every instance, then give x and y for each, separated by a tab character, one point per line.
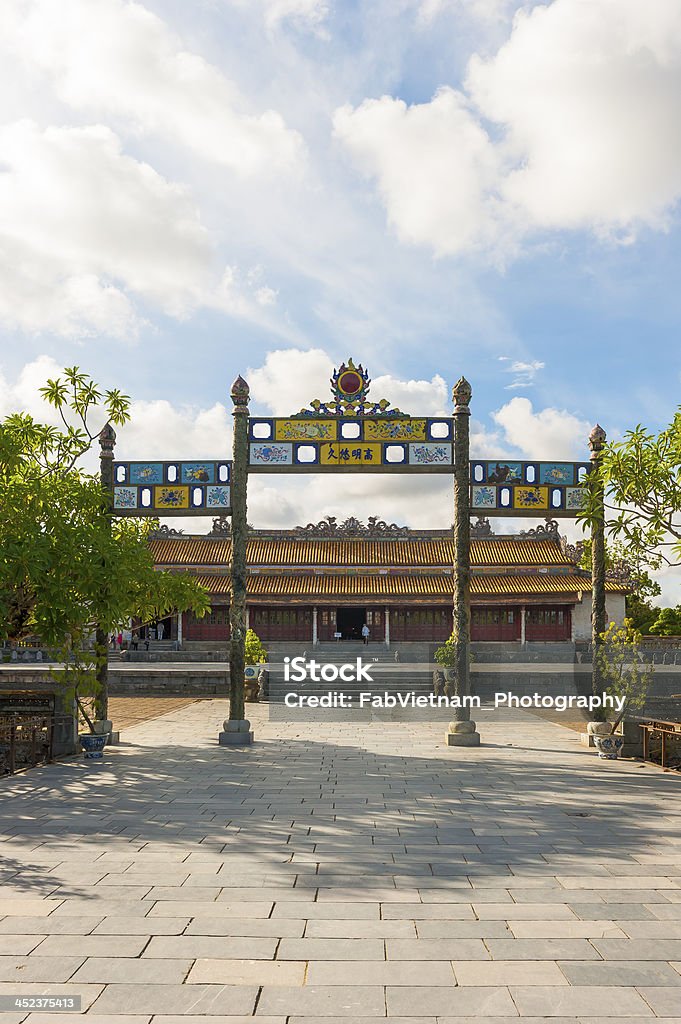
350	386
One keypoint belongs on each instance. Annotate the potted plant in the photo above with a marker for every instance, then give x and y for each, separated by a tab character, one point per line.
255	658
621	667
446	657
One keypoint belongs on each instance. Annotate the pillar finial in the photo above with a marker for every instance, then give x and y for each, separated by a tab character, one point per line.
240	391
597	438
461	392
107	441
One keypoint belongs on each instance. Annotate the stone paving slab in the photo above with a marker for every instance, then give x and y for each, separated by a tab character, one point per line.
336	872
180	999
351	1002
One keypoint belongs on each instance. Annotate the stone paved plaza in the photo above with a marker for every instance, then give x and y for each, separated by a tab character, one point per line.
343	872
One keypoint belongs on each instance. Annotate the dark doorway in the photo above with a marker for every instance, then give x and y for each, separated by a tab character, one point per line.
349	622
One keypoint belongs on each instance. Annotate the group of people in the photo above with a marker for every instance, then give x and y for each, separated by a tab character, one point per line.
131	637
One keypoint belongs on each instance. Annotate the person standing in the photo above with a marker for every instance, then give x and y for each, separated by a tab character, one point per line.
365	634
160	630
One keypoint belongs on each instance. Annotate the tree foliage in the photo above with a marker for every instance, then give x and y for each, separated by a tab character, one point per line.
642	479
622	667
624	564
65	564
667	623
255	652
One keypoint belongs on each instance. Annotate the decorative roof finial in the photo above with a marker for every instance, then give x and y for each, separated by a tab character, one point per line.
240	391
350	386
597	438
107	440
461	392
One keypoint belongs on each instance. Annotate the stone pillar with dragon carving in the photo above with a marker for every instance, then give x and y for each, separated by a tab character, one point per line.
237	730
462	731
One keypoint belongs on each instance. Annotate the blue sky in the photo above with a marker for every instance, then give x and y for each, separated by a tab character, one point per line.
435	187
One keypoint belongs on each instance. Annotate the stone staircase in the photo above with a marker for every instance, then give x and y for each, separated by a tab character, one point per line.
410	674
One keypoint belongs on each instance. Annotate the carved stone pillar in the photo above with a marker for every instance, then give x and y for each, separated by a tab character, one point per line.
179	629
523	625
387	626
598	615
462	730
315	636
237	730
107	443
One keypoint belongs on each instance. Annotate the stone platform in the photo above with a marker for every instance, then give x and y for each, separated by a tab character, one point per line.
343	872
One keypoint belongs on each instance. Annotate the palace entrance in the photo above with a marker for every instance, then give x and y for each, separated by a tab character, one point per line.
349	622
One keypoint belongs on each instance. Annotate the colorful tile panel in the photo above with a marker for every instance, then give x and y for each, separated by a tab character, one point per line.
218	497
305	430
531	497
395	430
504	472
483	497
556	473
125	497
197	472
271	454
574	497
430	454
146	473
171	497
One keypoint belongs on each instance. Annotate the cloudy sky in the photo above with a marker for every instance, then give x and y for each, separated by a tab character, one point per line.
435	187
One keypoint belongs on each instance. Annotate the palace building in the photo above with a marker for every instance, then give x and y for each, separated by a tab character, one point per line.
324	581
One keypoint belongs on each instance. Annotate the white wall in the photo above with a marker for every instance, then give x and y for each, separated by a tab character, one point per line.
581	614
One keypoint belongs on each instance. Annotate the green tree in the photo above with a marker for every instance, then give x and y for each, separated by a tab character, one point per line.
642	479
668	622
630	569
642	613
66	565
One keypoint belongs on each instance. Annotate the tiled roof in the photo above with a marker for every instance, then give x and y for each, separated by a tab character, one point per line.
417	586
299	552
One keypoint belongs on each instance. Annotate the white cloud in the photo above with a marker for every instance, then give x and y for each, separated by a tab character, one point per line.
414	397
86	231
546	434
116	58
302	14
160	430
434	165
23	395
289	379
588	92
81	224
524	373
572	124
